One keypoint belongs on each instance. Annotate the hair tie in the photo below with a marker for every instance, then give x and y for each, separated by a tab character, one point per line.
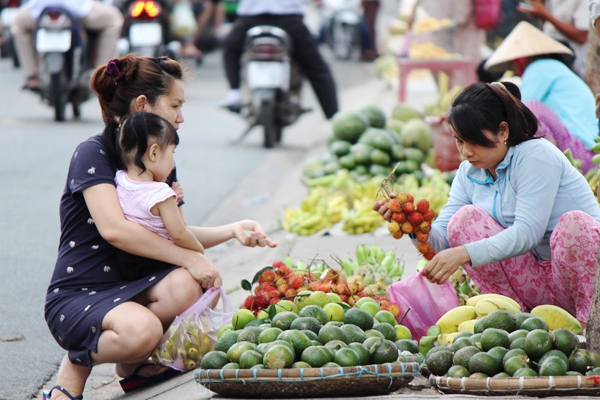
499	84
111	67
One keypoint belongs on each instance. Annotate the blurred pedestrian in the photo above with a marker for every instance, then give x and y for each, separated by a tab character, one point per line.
369	45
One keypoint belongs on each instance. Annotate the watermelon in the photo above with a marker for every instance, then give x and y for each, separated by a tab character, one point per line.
349	126
377	138
417	133
340	148
405	112
375	115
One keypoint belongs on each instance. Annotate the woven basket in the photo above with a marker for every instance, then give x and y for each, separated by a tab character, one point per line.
539	386
308	382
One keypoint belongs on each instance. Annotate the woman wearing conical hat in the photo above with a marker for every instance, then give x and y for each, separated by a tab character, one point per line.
550	87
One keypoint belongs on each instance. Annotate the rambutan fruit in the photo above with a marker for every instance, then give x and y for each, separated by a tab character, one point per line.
283	288
268	275
411	198
425	227
424	247
422	237
277	264
290	292
360	285
249	302
353	288
430	254
408	208
280	281
429	215
423	206
394	205
415	218
314	286
393	227
407	227
398	235
295	281
402	197
324	287
399	217
285	271
274	300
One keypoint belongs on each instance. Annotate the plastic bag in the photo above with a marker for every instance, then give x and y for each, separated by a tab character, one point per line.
486	13
427	302
194	333
183	22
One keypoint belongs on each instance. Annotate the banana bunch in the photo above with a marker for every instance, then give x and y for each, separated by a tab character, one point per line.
320	210
374	268
430	24
428	51
363	218
187	344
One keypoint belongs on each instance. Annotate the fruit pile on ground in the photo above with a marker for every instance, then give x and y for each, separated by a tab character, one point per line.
339	199
493	338
310	335
367	143
285	284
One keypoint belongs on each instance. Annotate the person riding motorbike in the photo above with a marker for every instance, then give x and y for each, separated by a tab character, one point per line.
286	15
100	17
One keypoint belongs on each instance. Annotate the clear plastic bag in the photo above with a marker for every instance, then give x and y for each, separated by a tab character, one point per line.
194	333
427	302
183	22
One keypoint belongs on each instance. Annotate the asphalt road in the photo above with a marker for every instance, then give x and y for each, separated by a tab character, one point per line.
34	156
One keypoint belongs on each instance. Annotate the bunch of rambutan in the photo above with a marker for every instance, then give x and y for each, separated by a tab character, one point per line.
409	218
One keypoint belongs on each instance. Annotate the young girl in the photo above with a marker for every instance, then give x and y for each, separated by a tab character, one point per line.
147	143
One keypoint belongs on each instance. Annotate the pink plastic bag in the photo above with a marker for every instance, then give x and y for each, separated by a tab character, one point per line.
486	13
427	302
194	333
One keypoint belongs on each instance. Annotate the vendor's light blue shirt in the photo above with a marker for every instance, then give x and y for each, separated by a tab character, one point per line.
535	186
564	92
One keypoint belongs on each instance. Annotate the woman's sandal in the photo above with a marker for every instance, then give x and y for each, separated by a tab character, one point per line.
32	83
48	396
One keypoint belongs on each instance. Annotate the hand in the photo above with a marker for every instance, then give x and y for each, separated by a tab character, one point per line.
176	186
445	263
204	272
381	207
537	9
249	233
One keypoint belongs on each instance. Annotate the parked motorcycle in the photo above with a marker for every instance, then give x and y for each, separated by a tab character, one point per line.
7	47
146	30
341	26
65	69
271	83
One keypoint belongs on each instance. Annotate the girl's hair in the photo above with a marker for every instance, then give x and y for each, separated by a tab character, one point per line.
483	106
140	130
134	76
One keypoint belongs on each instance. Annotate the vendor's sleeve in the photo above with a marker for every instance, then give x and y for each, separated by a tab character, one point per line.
458	197
535	187
536	82
594	8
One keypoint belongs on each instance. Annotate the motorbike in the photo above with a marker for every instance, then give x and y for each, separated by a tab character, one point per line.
146	30
65	68
342	26
271	83
7	47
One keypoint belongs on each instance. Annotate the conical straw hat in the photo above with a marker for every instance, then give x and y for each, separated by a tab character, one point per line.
525	40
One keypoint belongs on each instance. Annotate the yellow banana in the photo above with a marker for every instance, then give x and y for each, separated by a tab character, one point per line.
473	300
447	338
487	306
556	317
467	325
449	322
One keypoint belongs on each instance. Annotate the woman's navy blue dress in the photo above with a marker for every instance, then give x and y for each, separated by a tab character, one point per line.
86	284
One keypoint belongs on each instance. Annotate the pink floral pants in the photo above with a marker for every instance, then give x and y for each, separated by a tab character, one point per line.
567	280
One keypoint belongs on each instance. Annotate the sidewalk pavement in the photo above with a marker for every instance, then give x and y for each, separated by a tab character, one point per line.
263	196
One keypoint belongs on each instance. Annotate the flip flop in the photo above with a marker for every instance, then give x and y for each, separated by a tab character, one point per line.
135	381
48	396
